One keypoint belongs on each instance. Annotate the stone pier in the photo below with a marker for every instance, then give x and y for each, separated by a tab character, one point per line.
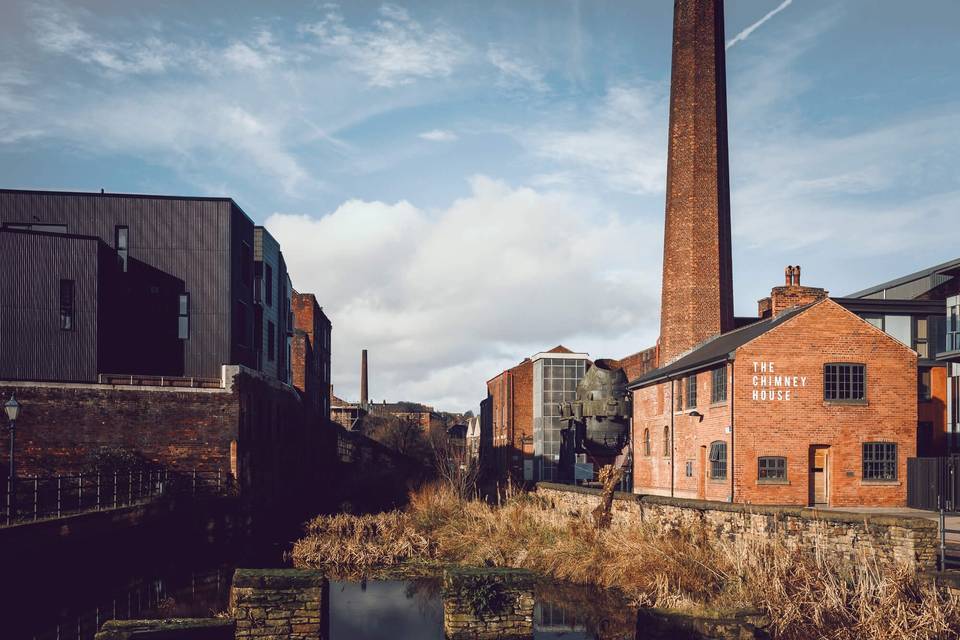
482	604
280	604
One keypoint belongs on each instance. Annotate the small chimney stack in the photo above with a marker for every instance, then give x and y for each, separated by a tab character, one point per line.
363	380
796	275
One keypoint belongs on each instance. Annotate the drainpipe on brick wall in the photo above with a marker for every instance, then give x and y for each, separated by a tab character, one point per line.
672	405
733	431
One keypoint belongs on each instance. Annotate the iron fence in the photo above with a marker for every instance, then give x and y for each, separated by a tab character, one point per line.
44	497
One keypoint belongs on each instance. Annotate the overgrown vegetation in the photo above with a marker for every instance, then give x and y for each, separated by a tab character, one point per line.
804	595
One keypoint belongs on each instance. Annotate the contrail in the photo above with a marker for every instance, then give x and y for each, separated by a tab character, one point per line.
743	35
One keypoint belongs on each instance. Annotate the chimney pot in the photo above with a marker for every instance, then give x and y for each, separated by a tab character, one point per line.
796	273
788	275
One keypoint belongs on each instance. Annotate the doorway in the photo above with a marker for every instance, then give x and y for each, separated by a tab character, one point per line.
702	476
819	475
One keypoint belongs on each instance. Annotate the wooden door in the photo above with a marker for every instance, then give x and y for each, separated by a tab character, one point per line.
819	475
702	476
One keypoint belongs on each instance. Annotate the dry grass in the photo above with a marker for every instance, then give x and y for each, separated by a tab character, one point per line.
804	595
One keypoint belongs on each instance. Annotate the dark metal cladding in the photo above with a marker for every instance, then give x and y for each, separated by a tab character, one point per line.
175	245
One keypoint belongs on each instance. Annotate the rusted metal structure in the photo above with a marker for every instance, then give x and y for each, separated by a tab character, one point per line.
598	421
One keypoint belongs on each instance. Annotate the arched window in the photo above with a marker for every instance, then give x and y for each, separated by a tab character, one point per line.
646	442
666	441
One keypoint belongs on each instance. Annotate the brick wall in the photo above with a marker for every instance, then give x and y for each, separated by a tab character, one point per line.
511	395
697	295
638	363
887	540
63	426
789	428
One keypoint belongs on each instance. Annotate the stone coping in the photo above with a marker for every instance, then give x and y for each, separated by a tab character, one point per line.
278	578
171	629
804	513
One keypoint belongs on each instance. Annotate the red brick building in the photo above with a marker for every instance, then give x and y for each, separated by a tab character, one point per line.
806	404
811	406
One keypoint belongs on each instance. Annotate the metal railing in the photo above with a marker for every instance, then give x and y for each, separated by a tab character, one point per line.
39	498
117	379
946	559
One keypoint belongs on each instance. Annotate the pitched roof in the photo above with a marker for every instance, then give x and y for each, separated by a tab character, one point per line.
939	269
559	349
716	349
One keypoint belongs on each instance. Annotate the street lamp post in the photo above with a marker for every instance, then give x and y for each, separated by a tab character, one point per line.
12	408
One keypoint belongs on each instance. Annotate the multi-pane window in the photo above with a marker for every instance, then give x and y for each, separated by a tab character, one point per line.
121	244
271	340
844	382
688	469
666	441
771	468
879	461
646	442
691	392
554	382
718	460
953	323
268	284
183	317
718	388
66	305
677	389
923	384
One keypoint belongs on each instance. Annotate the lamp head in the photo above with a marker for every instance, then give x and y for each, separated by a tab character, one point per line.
12	407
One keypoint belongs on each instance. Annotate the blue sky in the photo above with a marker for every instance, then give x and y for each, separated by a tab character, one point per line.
464	184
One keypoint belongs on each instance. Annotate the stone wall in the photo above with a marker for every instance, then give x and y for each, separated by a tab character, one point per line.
840	536
274	604
481	604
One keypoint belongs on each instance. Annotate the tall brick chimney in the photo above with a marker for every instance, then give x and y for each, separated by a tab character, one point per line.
364	400
697	298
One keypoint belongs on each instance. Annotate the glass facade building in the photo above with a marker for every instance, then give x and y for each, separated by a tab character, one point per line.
555	378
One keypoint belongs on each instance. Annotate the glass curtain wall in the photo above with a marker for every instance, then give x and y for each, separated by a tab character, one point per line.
554	382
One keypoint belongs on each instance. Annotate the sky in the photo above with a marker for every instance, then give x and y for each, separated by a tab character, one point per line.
465	184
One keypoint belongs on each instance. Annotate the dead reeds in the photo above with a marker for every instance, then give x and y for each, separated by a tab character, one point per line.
804	595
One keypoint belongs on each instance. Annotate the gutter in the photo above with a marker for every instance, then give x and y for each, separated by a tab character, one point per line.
672	375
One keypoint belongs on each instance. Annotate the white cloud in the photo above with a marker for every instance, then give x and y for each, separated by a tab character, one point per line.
439	135
514	70
396	50
745	33
446	299
621	144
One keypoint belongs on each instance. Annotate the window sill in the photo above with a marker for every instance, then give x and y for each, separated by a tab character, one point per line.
780	482
845	403
718	481
720	403
880	483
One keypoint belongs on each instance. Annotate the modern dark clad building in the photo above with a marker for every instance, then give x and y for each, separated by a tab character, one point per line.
160	285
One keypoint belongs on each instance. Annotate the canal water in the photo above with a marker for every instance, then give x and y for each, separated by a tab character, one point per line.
71	601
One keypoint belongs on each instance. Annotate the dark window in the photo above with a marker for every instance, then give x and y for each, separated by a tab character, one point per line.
271	340
691	392
924	391
66	305
246	261
646	442
678	394
183	317
845	382
666	441
718	460
269	284
240	323
920	342
688	469
879	461
121	244
718	390
772	468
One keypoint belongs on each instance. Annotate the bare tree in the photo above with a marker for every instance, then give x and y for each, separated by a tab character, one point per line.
453	464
